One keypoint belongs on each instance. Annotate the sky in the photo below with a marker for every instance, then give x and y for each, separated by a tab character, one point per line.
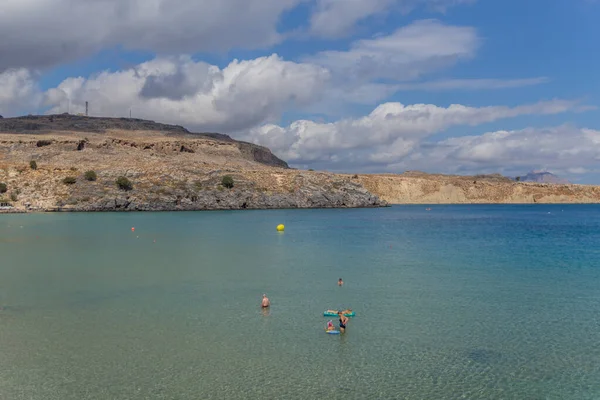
372	86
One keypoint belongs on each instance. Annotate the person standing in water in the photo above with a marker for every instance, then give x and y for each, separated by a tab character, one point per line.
340	282
343	322
265	301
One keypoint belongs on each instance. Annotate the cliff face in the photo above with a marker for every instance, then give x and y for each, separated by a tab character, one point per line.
170	169
414	188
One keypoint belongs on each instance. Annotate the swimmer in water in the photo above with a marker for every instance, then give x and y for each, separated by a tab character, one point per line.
265	301
343	322
340	282
346	311
330	326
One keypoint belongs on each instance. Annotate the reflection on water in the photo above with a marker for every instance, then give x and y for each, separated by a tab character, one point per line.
266	312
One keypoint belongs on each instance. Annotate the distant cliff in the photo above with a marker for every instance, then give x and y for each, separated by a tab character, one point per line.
421	188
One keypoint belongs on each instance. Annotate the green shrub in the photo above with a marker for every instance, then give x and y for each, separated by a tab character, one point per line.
90	175
3	188
123	183
227	181
69	180
33	164
310	169
13	196
518	178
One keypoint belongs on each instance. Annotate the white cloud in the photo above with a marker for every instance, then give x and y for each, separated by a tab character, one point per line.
202	96
18	91
248	93
59	31
336	18
40	33
565	149
245	95
391	130
408	53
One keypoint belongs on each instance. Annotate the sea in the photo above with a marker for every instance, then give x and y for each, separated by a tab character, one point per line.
451	302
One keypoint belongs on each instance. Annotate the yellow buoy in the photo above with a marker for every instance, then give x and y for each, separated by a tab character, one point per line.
280	227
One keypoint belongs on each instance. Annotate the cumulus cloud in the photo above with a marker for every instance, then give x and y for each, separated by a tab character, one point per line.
241	97
408	53
202	96
564	149
335	18
63	30
18	91
59	31
248	93
389	133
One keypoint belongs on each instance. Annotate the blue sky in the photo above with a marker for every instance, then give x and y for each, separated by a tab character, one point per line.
342	85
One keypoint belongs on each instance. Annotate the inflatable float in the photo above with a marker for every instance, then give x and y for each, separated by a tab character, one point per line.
330	313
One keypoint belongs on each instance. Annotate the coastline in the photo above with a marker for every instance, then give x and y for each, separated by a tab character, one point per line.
54	210
99	211
346	196
64	163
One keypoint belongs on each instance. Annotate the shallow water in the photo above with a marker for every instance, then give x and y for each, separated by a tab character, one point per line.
476	302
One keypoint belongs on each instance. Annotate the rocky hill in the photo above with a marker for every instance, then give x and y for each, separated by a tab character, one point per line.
51	124
65	162
168	168
421	188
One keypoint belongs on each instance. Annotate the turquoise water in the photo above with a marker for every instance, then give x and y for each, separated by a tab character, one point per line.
475	302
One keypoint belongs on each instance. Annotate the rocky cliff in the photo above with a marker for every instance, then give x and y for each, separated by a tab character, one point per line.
168	167
420	188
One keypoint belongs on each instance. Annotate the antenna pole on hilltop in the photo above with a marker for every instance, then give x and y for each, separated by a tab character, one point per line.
130	113
86	108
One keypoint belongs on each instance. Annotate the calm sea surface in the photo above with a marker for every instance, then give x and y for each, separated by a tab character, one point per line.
474	302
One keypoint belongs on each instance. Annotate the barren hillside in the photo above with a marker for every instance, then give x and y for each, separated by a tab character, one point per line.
419	188
169	168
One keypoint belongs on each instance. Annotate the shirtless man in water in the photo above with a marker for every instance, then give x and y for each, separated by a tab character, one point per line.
265	301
